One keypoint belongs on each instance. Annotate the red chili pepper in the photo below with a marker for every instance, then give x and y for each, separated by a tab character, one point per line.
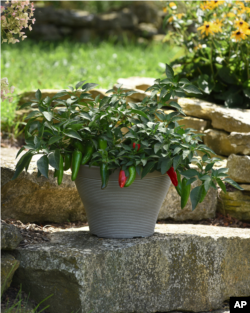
122	178
138	146
173	176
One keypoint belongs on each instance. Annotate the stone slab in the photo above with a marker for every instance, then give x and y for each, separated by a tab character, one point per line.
10	236
180	268
224	143
239	168
32	199
230	120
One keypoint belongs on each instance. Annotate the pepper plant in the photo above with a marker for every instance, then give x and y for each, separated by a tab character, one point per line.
113	134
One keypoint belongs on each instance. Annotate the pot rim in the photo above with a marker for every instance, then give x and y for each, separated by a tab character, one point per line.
93	172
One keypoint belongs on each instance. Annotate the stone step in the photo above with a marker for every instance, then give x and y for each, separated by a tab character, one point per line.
188	268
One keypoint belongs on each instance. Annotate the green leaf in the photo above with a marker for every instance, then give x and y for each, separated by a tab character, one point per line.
190	173
20	150
147	169
207	183
192	89
221	184
73	134
169	71
176	161
79	84
89	86
33	113
205	84
54	159
157	147
233	183
43	165
26	104
38	94
177	106
165	165
184	81
54	139
195	196
140	113
209	167
48	115
227	76
191	180
22	163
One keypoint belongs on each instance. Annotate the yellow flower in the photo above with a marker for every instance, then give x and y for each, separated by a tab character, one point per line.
205	6
172	5
209	28
219	24
165	10
240	24
170	20
238	35
198	47
179	15
240	4
247	10
230	14
215	4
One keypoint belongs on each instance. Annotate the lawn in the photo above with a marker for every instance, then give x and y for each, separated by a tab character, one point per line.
43	65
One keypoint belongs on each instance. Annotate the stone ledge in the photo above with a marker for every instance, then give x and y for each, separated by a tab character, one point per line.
179	268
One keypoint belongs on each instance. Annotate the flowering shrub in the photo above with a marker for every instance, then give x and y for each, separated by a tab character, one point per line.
5	89
14	18
216	35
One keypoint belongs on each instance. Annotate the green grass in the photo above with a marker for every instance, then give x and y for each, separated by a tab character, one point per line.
29	65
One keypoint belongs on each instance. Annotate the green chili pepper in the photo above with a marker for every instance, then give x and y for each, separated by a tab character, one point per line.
76	163
104	175
60	172
132	175
89	152
79	146
178	187
185	192
203	194
67	161
102	143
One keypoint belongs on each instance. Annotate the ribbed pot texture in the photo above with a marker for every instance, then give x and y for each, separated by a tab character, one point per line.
121	212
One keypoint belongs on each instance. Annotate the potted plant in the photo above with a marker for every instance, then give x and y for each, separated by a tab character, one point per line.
123	156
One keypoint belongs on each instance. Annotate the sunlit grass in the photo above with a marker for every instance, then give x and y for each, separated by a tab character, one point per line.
30	65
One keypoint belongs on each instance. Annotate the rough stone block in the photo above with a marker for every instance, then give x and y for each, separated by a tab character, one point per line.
230	120
179	268
235	203
8	267
239	168
225	144
10	236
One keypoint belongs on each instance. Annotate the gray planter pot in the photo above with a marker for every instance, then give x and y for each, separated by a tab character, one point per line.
121	212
